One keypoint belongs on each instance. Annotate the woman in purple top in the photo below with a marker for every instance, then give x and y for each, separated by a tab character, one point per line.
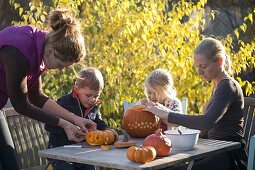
223	117
25	53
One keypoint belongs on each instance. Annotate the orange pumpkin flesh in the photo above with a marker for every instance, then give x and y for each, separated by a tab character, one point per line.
106	147
141	155
110	136
139	123
98	137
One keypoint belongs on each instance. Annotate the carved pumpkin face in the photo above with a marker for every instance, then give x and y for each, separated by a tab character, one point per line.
98	137
139	123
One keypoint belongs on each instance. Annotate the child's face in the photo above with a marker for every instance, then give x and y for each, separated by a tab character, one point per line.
154	95
87	96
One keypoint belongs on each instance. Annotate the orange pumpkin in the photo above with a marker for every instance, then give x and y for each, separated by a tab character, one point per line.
139	123
160	142
141	155
98	137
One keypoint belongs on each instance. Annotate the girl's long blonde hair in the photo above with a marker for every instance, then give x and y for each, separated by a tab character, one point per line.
162	80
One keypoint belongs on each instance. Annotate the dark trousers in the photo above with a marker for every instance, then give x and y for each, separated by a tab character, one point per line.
7	152
63	165
216	162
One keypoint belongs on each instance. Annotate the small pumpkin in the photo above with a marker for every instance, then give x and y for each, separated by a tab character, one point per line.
99	137
141	155
139	123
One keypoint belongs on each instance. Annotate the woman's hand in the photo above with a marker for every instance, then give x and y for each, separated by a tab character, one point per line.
73	132
158	110
86	125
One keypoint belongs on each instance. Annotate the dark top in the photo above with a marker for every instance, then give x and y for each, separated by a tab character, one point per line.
70	102
224	114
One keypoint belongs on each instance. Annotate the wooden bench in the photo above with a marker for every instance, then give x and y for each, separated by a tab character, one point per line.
249	129
29	137
251	159
249	119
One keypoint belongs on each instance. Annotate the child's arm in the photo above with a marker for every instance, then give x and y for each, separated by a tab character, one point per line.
52	107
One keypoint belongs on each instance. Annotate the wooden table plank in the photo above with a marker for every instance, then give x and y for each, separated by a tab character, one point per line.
116	158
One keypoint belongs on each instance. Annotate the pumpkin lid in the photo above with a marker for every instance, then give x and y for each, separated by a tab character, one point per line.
138	107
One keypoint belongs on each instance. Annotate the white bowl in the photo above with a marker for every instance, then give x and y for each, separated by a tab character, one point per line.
186	141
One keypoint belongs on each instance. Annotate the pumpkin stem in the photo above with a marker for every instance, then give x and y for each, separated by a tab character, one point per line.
126	137
158	131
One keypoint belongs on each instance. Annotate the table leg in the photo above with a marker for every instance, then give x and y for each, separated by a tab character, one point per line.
190	165
99	168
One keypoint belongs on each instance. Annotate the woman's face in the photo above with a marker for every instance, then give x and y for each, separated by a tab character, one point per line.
52	61
207	68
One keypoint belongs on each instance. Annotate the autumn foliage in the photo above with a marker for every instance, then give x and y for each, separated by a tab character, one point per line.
127	39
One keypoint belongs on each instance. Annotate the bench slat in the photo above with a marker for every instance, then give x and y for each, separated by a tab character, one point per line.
28	137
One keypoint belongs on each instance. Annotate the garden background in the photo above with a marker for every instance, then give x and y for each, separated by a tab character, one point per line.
127	39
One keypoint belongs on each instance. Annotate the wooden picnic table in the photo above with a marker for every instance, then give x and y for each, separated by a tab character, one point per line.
116	157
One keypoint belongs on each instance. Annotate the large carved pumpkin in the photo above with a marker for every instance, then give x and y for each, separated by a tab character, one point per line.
139	123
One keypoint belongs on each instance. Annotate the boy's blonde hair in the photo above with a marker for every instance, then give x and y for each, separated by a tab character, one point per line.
161	80
90	77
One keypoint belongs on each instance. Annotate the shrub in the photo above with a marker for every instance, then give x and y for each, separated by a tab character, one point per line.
127	39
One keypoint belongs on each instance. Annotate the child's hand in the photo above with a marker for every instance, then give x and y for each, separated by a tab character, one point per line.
144	101
85	124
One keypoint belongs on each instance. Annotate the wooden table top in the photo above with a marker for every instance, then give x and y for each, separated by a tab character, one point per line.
116	157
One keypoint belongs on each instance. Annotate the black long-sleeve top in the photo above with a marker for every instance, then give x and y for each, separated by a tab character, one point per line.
223	116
